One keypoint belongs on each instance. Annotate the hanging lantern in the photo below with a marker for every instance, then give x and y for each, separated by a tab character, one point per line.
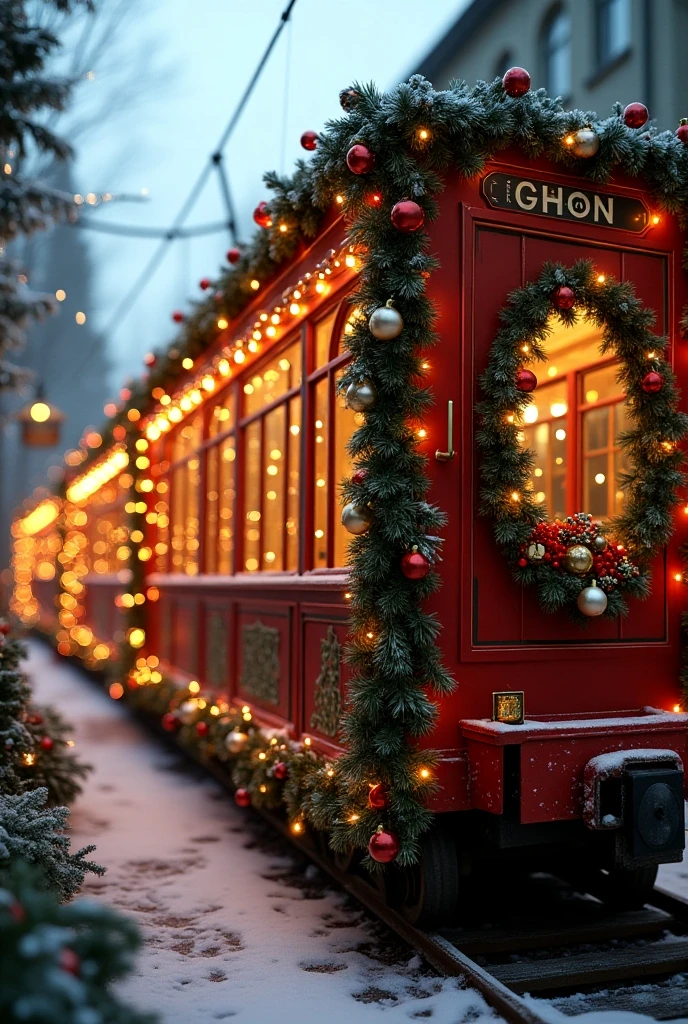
41	423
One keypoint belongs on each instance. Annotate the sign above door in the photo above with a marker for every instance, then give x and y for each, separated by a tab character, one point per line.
563	202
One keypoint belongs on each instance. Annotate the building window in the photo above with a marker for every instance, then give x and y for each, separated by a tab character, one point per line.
572	425
556	53
503	63
613	29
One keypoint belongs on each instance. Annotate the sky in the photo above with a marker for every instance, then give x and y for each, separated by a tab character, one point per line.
188	64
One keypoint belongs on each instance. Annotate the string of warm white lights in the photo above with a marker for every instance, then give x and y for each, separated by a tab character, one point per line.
269	326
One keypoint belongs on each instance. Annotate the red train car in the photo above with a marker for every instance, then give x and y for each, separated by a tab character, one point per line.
564	739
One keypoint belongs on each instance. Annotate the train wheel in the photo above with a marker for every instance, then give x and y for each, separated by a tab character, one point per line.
629	887
428	893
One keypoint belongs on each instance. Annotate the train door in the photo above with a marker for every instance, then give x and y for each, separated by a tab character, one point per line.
572	425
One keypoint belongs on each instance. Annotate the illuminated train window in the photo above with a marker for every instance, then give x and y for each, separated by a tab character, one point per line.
238	470
572	425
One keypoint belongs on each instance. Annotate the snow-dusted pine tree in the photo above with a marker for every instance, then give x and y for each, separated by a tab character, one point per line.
34	741
32	832
25	206
59	963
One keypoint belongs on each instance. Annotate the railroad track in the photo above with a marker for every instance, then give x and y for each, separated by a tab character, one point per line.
567	948
572	943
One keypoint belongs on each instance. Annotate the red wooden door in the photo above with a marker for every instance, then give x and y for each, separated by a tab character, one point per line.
494	634
515	617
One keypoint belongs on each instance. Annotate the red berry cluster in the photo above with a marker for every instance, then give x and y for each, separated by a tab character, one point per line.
549	542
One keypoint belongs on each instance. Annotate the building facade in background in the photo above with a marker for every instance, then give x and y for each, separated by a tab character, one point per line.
589	52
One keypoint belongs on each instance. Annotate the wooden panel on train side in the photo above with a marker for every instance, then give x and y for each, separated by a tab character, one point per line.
216	653
184	634
324	672
264	656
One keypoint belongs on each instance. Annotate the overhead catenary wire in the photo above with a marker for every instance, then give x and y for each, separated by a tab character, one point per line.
128	300
169	234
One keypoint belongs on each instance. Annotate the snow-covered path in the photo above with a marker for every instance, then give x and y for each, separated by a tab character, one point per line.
236	924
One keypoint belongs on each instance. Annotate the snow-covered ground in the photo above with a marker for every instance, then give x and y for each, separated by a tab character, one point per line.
236	924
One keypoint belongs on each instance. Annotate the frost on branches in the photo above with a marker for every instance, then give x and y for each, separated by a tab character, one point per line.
32	832
59	963
26	206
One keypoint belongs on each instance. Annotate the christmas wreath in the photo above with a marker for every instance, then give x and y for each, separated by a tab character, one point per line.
575	563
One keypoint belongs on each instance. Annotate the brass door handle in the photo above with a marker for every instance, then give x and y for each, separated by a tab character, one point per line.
450	453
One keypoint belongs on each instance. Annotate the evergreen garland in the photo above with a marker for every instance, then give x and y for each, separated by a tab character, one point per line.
652	482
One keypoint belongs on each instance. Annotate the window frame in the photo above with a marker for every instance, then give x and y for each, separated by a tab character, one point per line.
556	11
573	421
607	57
311	374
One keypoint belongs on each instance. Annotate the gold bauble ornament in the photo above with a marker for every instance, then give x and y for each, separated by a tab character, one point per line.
578	559
535	552
386	323
585	143
356	520
235	741
592	601
361	397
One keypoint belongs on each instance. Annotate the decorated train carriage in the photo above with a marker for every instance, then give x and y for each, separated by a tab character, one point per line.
431	415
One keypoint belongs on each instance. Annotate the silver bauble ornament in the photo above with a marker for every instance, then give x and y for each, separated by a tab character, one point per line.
578	559
586	142
592	601
599	543
386	323
187	711
535	552
356	520
361	397
235	741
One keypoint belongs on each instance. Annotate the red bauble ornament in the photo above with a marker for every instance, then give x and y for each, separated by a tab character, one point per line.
523	562
563	297
202	728
526	381
149	359
4	628
204	284
178	316
635	115
377	797
47	743
682	131
280	771
309	140
69	961
407	216
359	159
35	719
516	82
359	476
233	255
261	215
242	798
16	911
652	382
169	722
383	846
414	565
